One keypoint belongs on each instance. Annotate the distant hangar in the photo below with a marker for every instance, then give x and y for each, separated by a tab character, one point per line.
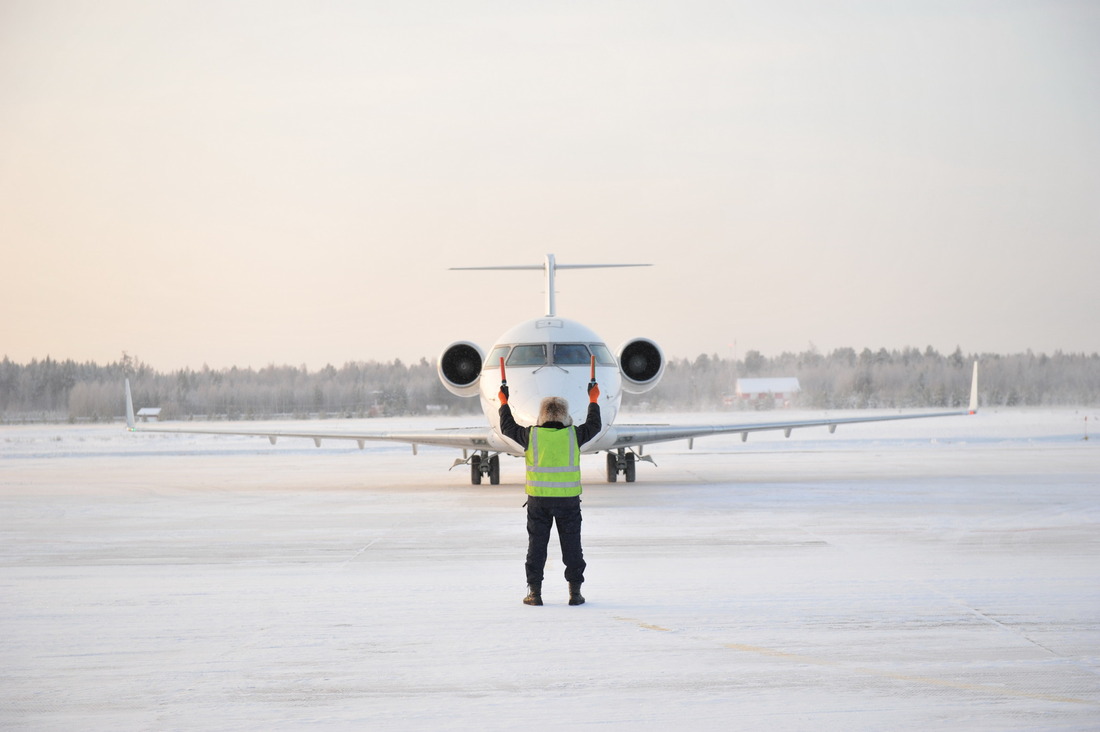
768	393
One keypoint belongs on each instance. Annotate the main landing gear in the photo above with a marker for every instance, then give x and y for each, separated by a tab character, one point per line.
623	462
482	464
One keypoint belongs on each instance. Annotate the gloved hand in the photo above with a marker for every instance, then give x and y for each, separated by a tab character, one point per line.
503	395
593	392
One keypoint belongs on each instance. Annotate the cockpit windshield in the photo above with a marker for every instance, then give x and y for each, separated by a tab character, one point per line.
533	355
571	354
562	354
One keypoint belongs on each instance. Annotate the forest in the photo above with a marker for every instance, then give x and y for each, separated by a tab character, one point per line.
51	390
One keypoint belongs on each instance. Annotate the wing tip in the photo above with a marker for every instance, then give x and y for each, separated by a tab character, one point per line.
130	409
973	407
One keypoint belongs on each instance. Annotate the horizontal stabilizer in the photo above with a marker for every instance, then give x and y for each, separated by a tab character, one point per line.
549	265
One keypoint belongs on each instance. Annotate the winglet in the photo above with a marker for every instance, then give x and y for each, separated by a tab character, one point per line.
129	409
974	391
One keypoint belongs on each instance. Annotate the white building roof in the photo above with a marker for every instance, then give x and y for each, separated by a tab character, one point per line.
778	385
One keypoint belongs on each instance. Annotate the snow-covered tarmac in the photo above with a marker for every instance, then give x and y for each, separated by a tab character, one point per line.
931	574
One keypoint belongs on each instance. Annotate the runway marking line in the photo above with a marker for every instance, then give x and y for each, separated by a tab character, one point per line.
864	671
646	626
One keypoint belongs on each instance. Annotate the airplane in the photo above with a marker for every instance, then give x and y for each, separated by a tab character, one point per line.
553	356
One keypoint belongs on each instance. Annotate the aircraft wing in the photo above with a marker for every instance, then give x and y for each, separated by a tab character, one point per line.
624	436
474	438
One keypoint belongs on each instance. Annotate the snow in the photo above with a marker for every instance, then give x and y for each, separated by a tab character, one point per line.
935	573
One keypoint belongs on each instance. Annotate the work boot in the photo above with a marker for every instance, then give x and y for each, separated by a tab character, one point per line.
534	594
575	596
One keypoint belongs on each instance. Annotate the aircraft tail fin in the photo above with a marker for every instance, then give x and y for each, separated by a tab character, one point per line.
550	266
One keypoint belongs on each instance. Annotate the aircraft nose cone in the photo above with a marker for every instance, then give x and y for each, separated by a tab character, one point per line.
526	392
523	411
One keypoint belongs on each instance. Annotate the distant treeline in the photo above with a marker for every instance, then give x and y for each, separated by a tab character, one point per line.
67	390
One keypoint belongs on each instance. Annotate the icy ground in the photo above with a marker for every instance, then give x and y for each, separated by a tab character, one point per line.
931	574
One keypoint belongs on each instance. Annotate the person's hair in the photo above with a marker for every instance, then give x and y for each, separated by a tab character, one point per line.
554	409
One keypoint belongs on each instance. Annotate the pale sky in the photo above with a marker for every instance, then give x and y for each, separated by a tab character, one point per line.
247	183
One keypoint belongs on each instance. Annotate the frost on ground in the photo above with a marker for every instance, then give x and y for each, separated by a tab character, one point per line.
893	576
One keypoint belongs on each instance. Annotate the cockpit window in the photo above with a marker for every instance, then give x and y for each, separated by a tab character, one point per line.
495	355
571	354
528	356
602	354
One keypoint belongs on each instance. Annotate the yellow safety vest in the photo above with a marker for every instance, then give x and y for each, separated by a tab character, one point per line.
553	462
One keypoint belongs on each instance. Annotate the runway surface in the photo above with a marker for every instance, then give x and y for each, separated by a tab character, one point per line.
929	574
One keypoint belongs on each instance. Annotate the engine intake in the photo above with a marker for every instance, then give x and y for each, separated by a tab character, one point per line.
642	363
459	368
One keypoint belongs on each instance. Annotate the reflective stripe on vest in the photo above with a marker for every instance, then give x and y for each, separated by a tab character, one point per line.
553	463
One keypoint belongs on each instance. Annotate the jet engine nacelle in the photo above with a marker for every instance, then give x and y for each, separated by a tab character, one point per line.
642	363
459	368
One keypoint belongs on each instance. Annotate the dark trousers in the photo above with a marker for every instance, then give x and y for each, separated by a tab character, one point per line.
541	513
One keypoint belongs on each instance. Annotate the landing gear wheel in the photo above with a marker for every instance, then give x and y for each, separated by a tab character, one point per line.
475	470
623	462
494	470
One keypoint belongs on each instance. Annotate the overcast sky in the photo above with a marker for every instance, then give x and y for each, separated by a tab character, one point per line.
246	183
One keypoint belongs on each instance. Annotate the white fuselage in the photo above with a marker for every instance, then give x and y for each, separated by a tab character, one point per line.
544	357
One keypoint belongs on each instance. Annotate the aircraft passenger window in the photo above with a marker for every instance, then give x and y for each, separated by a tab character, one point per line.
603	355
528	356
571	354
494	357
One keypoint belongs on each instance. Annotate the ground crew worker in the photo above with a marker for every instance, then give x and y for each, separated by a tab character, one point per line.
553	485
